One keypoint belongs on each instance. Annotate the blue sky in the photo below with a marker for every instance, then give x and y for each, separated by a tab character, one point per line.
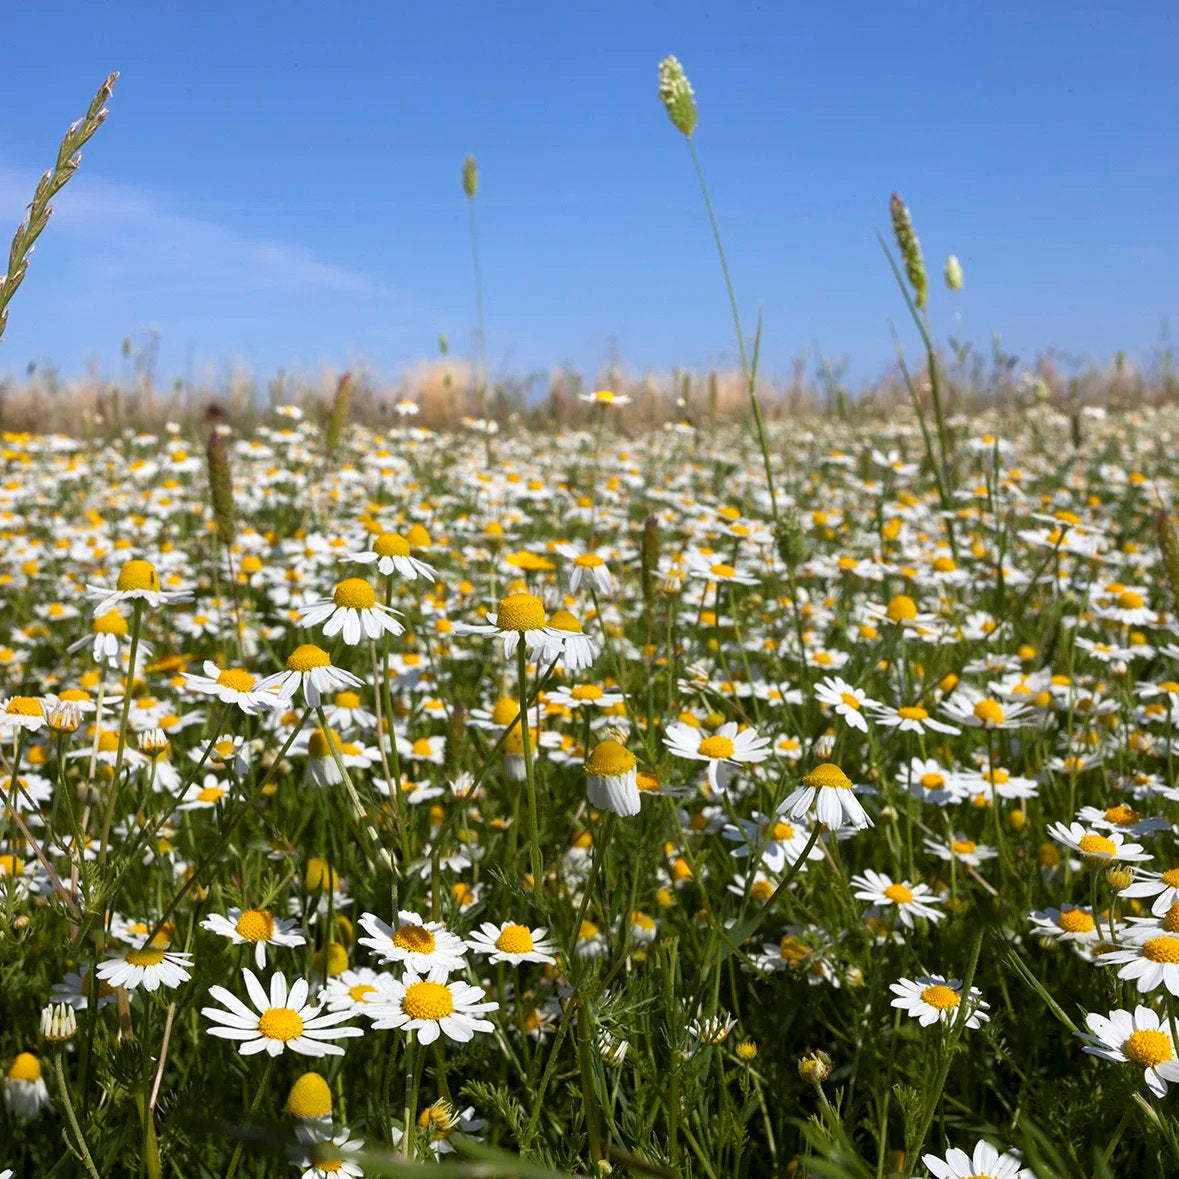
278	185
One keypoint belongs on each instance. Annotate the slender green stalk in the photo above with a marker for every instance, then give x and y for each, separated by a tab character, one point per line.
64	1092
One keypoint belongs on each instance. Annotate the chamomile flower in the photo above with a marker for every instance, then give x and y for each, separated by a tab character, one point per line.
1164	887
309	668
587	567
257	927
1142	1038
356	989
936	1000
138	582
976	711
985	1162
724	748
391	554
149	967
512	943
521	616
232	686
910	718
1098	850
847	701
22	712
1069	923
352	612
828	791
611	778
431	1006
906	900
567	641
1151	959
282	1019
961	849
420	944
604	397
324	1155
25	1091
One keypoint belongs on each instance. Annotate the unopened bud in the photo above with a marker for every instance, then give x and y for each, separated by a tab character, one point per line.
1119	877
953	273
59	1023
815	1068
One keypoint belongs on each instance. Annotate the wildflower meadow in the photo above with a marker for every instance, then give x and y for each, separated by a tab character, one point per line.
729	796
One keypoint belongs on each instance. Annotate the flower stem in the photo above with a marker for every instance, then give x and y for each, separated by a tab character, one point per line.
537	862
72	1117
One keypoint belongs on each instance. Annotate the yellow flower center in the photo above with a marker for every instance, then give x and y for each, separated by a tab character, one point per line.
138	575
1171	877
902	608
280	1023
210	794
235	678
354	593
1169	686
827	775
1161	949
24	706
933	781
514	939
1148	1047
941	996
391	544
255	925
781	831
912	712
1129	600
520	612
586	692
587	931
26	1067
357	993
309	1097
306	657
427	1000
715	747
899	894
722	570
990	712
505	711
609	759
347	700
851	701
1171	920
110	623
563	620
1122	815
1075	921
588	561
415	938
963	847
1097	845
147	956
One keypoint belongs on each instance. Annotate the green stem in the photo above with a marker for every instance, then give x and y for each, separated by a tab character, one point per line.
72	1117
529	778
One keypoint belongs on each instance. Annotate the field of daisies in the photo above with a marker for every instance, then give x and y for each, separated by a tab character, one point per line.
510	805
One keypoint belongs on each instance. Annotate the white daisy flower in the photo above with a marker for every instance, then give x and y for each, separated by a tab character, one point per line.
587	566
22	712
1164	887
25	1091
323	1155
309	668
828	791
138	582
149	967
910	718
985	1163
432	1006
352	612
567	641
256	926
1142	1038
1097	849
908	900
1153	962
604	397
964	850
520	616
936	1000
723	748
970	707
611	778
511	943
1069	923
420	944
773	843
232	686
391	554
283	1019
356	989
847	701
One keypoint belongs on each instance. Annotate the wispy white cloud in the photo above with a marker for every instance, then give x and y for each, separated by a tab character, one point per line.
116	231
